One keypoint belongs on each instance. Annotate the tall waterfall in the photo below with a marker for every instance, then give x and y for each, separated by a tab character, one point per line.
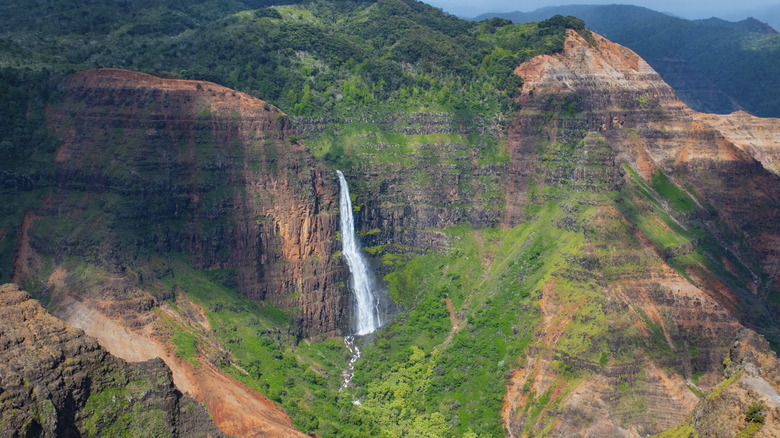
366	313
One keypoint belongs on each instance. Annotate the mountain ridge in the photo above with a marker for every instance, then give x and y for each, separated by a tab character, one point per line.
619	89
57	382
694	56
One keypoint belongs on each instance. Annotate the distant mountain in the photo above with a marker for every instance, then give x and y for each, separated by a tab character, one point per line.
768	14
714	65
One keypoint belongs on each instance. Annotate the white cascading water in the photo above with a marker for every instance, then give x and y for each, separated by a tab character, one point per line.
366	312
354	355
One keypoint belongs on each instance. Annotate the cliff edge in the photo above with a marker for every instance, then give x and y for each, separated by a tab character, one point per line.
56	381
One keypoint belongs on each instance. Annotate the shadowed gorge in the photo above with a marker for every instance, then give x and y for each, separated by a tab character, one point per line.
566	249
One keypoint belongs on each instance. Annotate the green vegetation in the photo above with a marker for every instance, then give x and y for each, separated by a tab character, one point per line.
684	431
749	431
678	200
118	410
734	56
310	58
559	286
26	147
756	413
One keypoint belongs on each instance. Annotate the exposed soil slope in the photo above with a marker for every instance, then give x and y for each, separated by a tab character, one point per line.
235	409
57	381
624	130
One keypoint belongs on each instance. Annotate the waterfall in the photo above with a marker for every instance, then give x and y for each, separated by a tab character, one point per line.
354	355
366	312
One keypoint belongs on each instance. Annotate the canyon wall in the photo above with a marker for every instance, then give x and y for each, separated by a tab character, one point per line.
724	166
59	382
677	212
149	166
414	174
595	120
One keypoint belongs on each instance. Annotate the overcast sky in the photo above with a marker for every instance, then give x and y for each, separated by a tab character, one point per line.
685	8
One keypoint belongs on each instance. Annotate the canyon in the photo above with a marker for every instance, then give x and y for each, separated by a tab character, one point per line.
627	106
596	260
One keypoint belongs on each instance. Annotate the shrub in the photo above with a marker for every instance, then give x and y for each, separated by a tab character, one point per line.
755	413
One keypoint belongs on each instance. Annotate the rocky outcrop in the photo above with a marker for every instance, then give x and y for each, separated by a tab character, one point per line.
56	381
173	166
235	408
608	91
747	402
759	137
586	113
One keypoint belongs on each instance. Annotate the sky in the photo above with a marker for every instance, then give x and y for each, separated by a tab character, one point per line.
691	9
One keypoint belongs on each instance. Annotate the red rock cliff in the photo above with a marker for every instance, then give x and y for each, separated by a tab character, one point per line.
608	101
729	161
192	167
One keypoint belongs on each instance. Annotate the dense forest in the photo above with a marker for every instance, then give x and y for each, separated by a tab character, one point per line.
301	59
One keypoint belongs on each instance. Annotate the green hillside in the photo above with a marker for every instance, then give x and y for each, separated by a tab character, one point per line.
325	58
712	64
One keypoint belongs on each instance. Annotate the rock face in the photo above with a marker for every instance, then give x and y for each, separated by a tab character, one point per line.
415	174
151	167
173	166
596	117
727	161
235	408
748	400
56	381
759	137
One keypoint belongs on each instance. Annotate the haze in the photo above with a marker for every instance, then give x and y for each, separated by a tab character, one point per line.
691	9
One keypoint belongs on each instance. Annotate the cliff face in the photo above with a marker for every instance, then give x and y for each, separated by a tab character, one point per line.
725	165
414	174
57	381
759	137
158	166
725	161
596	119
747	402
667	218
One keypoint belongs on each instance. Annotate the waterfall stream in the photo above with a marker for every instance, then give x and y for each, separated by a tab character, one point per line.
354	355
366	314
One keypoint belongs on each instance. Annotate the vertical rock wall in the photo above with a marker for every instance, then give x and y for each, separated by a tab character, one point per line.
192	167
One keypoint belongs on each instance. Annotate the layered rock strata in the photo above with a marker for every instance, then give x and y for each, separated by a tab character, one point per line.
593	116
162	166
726	161
416	174
747	402
56	381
